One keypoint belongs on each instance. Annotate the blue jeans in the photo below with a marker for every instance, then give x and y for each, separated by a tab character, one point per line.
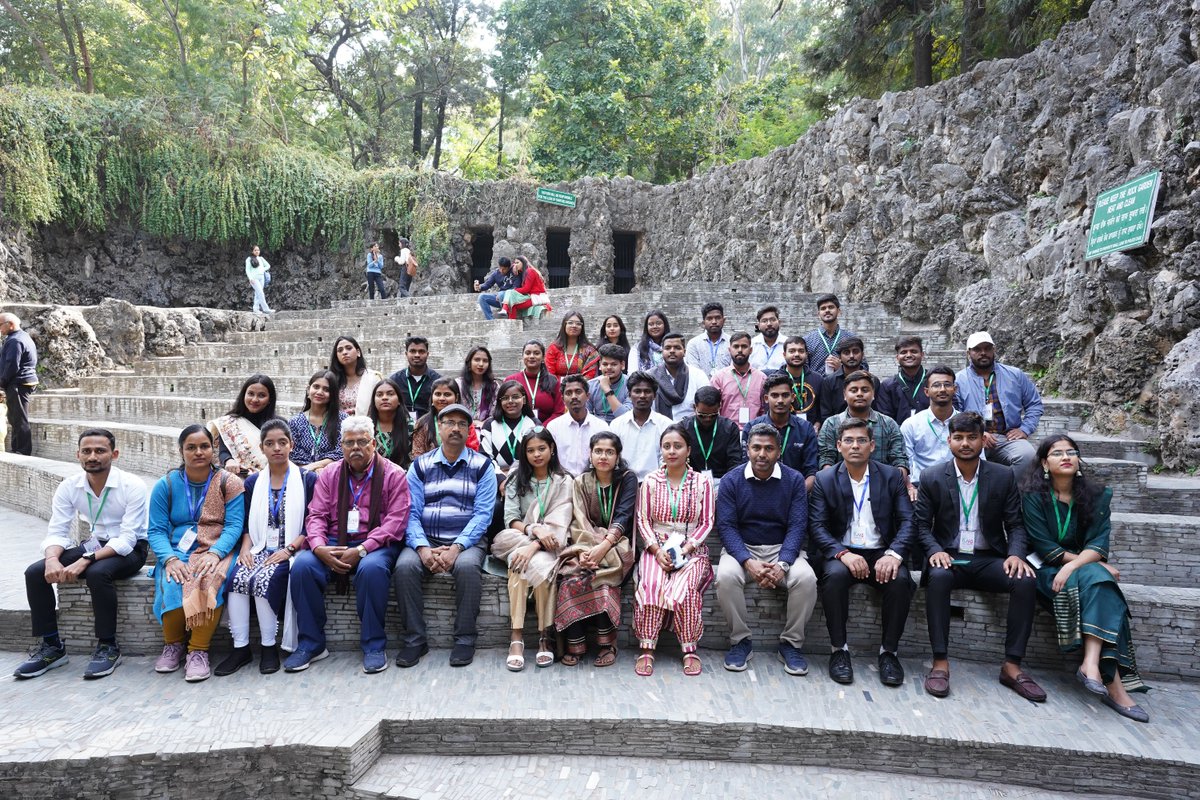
375	280
372	580
489	301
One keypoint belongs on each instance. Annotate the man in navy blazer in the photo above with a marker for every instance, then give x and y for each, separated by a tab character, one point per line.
968	520
860	523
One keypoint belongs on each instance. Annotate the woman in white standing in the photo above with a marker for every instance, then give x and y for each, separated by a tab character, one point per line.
407	270
258	272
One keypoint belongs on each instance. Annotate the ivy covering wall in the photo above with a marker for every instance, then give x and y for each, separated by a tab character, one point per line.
88	162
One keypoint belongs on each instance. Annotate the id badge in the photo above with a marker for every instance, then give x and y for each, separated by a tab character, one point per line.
91	545
858	534
188	539
412	418
707	475
966	542
988	412
352	521
743	415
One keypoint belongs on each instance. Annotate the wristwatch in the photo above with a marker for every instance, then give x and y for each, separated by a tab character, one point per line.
785	566
610	393
362	551
89	557
291	550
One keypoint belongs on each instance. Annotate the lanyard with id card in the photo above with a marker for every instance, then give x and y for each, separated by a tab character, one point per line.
968	535
93	542
858	528
352	516
195	504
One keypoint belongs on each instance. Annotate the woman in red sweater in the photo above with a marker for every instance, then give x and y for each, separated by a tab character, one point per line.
528	293
571	352
544	393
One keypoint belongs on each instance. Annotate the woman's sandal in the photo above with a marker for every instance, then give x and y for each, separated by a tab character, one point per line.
569	659
545	656
691	664
516	661
607	656
644	665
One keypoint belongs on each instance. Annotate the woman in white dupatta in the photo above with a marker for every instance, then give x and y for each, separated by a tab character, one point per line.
239	449
274	530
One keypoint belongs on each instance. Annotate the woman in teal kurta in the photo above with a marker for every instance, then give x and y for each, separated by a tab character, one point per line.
1068	519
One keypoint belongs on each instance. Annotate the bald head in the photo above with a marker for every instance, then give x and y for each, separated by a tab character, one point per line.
9	323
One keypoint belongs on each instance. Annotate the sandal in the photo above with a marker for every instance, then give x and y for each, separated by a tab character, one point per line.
569	660
691	664
607	656
515	661
545	656
644	665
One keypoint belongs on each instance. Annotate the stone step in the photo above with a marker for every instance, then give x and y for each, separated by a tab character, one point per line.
552	774
145	449
1171	494
27	483
166	411
1166	623
1094	445
189	384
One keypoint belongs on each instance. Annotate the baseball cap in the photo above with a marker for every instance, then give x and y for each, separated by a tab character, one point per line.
978	338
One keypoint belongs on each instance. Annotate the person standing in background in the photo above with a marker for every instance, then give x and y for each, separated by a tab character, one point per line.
258	272
18	379
375	273
408	268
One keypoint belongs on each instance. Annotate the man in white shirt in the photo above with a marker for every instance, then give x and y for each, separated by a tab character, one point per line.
641	428
927	433
573	431
677	382
767	348
115	505
709	351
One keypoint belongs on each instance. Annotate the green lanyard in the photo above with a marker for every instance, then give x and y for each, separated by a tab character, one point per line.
510	437
541	501
933	430
917	386
987	387
412	396
606	508
104	499
675	495
316	437
1063	524
745	390
829	346
966	507
787	434
700	441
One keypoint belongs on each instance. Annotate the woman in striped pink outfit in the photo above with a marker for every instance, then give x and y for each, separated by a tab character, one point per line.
674	501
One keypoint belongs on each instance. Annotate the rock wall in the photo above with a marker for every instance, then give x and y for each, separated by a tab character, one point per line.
965	204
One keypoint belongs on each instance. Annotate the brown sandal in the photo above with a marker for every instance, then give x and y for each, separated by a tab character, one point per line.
692	665
569	660
607	656
644	666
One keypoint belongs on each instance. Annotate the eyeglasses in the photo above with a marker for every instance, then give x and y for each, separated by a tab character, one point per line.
454	423
1063	454
941	385
357	444
713	415
856	440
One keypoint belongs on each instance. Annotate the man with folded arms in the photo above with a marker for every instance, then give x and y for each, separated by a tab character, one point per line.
355	527
115	505
453	496
861	522
968	519
762	516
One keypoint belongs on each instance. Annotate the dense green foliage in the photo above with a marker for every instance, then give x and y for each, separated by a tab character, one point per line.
85	161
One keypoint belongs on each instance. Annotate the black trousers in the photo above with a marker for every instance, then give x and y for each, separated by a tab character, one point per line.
835	584
375	280
985	573
99	578
19	436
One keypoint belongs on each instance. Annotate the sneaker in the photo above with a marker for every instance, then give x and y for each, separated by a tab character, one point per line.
410	655
103	662
42	658
197	666
462	654
794	662
374	662
171	658
240	657
301	659
738	655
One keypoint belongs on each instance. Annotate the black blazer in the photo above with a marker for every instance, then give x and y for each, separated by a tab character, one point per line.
831	507
1000	520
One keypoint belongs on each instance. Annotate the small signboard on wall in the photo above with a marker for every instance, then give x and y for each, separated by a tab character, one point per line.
1123	216
556	198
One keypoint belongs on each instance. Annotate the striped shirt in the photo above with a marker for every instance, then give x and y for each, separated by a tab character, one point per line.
450	503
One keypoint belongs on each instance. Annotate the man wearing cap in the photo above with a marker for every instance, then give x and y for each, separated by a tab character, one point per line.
1007	400
453	494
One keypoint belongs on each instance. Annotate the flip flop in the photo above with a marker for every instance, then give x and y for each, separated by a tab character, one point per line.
644	665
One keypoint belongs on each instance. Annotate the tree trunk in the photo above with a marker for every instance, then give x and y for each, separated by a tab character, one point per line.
972	34
69	36
38	44
500	137
923	44
85	58
418	124
1016	43
173	15
441	125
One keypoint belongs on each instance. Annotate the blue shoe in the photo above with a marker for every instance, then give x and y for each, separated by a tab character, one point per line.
103	662
794	662
738	655
42	658
299	660
374	662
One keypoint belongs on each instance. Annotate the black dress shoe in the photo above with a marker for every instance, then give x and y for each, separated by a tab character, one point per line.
891	671
462	654
240	657
410	655
268	663
840	668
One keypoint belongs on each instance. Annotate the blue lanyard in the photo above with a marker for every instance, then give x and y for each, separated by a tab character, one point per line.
194	507
275	499
714	348
366	482
866	490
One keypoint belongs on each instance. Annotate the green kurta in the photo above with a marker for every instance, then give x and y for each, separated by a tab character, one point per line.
1091	603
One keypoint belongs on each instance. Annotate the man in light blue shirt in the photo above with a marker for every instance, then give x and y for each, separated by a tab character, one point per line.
1007	400
926	433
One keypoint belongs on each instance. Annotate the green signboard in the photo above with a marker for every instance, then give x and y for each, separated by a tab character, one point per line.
556	198
1122	217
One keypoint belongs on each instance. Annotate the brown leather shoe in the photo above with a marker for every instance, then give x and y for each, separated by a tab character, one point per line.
937	682
1024	686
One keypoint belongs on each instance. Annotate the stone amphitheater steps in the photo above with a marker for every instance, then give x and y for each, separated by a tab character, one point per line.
412	777
168	410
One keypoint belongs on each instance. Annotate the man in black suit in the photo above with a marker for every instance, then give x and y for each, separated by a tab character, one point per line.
860	520
968	519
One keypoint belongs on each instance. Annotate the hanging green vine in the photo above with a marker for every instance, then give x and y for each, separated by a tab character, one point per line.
87	162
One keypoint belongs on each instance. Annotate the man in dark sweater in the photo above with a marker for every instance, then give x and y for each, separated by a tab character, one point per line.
18	379
417	378
902	396
762	518
716	442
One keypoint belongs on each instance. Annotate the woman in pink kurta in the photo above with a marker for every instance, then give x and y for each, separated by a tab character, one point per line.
673	501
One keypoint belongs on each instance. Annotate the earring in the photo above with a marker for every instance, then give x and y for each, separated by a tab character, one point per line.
1046	474
1079	471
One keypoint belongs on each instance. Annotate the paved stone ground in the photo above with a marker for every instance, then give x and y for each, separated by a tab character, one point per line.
23	534
333	704
473	777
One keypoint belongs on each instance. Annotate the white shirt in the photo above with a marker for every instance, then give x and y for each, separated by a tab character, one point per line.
639	443
121	523
861	532
767	358
968	523
687	406
776	472
926	440
573	440
706	355
402	259
256	273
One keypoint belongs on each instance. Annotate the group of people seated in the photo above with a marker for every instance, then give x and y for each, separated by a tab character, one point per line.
593	459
